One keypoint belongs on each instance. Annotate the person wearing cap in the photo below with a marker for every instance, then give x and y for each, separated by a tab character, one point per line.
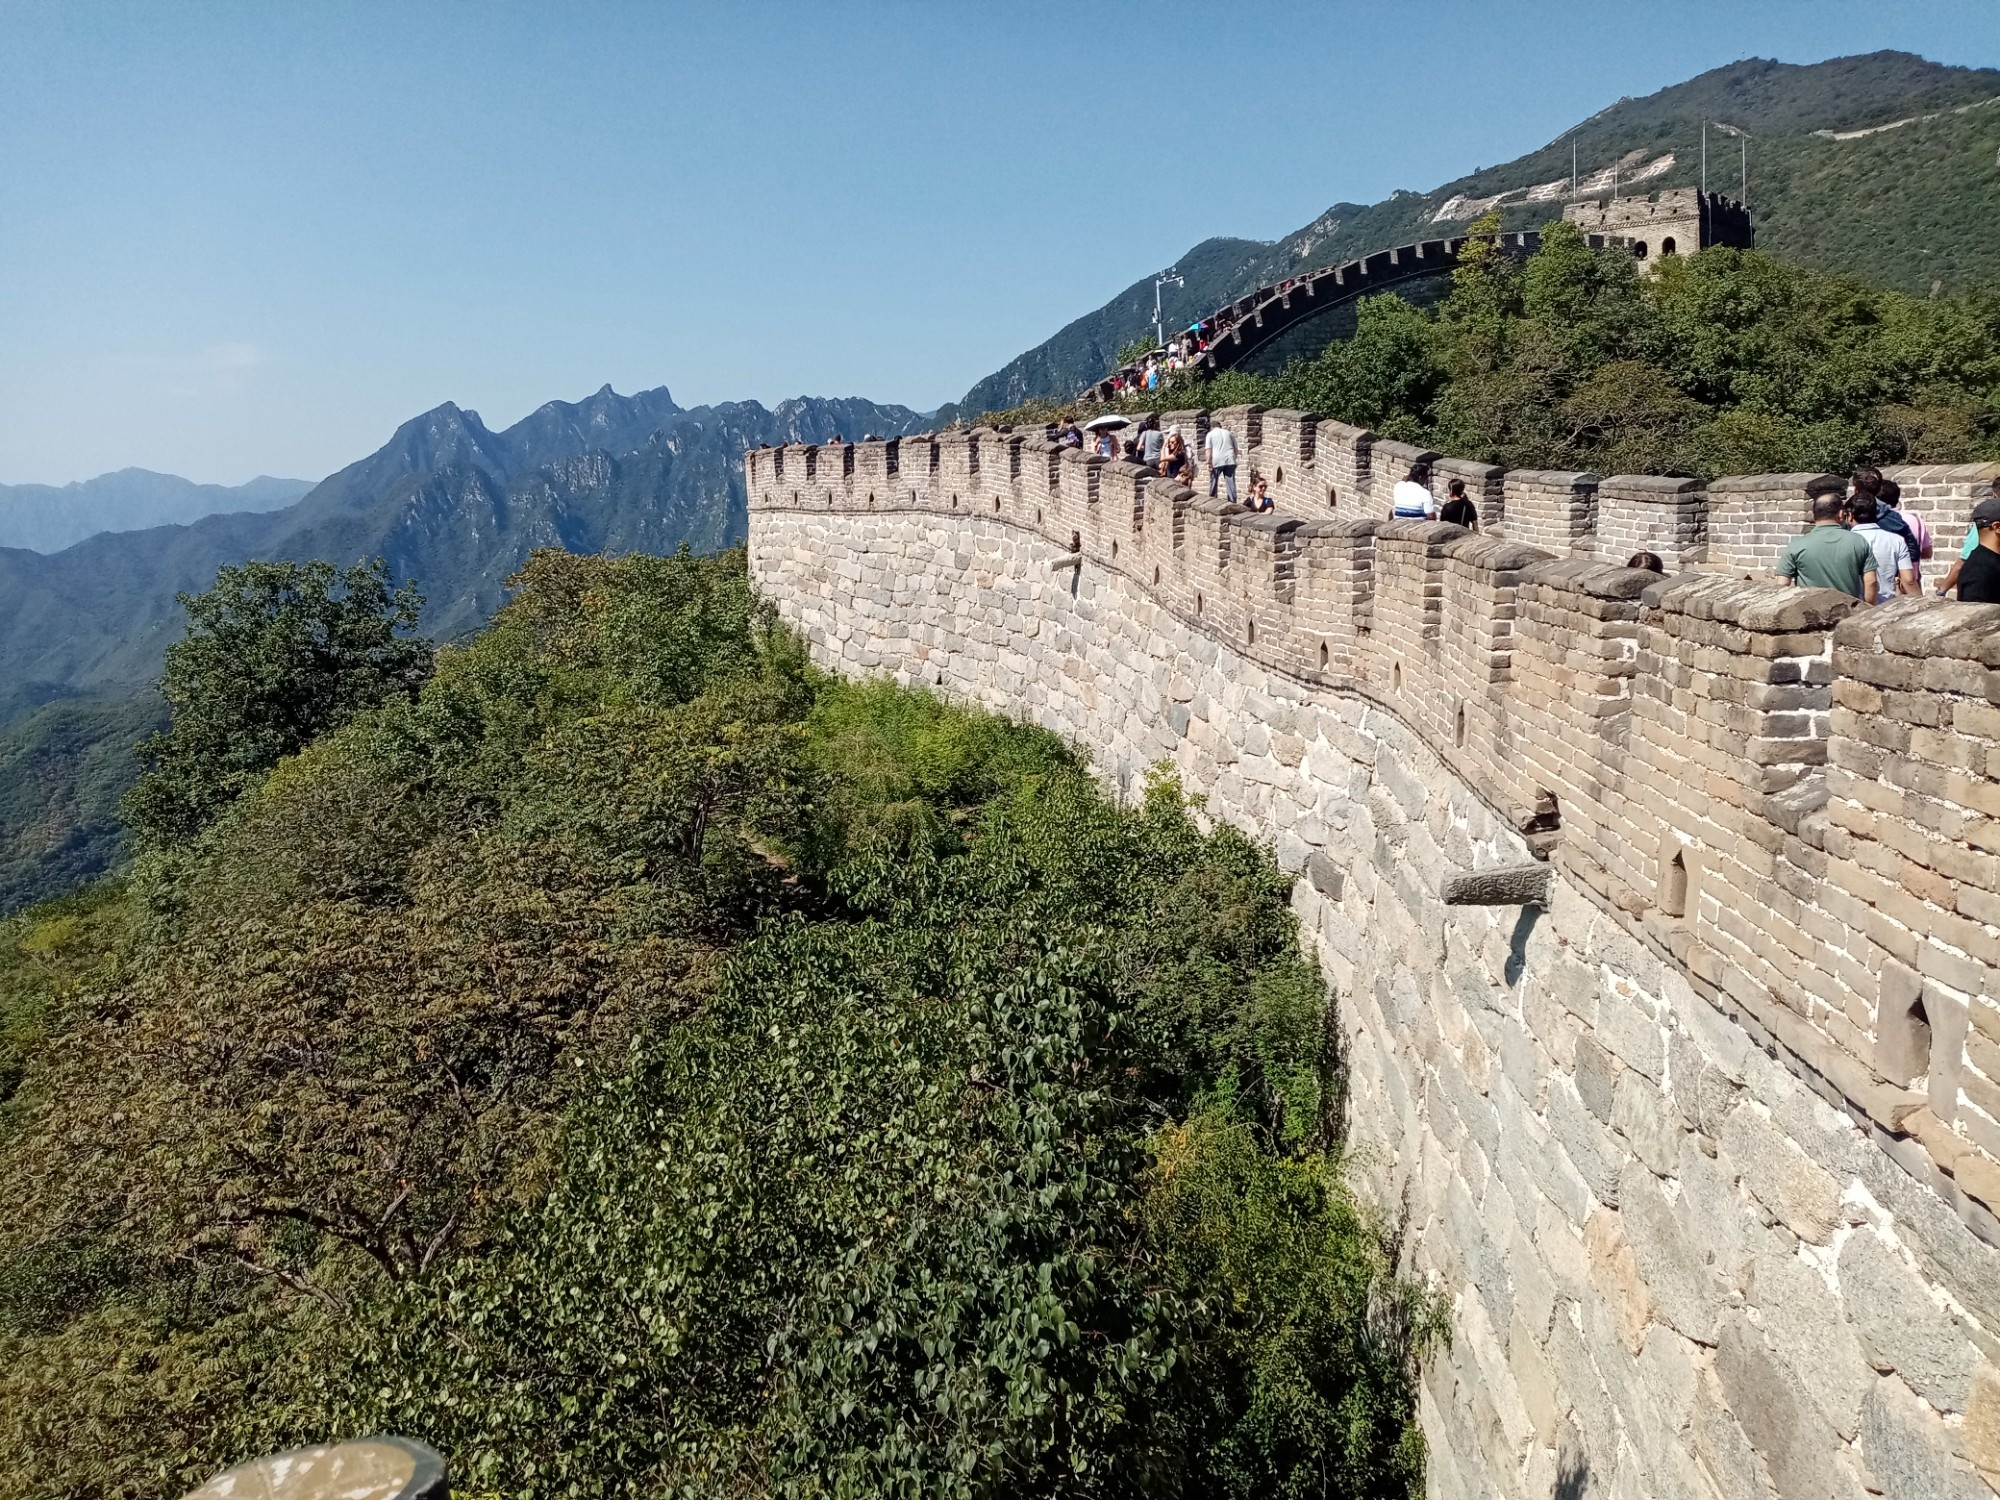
1979	574
1830	556
1971	545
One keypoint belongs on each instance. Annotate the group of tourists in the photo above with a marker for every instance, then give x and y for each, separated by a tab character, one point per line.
1181	352
1864	544
1413	500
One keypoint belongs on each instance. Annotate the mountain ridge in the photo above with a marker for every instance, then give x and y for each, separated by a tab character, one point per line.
92	619
49	517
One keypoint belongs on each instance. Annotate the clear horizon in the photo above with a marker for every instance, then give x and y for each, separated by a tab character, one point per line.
245	240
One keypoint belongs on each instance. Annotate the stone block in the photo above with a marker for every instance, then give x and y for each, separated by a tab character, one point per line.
1640	1113
1796	1444
1803	1321
1685	1290
1901	1328
1979	1439
1589	1146
1616	1275
1325	875
1908	1451
1722	1449
1596	1077
1799	1192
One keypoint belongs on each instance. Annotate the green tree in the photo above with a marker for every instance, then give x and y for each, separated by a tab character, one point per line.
641	1064
275	655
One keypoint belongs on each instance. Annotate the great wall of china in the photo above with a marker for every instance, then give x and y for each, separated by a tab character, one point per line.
1663	916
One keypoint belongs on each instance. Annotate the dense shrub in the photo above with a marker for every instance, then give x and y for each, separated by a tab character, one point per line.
639	1064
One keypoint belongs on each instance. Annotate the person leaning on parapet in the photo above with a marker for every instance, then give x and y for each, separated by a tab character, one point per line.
1221	460
1893	558
1260	498
1152	442
1830	556
1411	500
1970	546
1457	509
1977	576
1072	436
1174	460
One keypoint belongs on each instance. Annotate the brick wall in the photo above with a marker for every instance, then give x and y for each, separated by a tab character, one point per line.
1703	1147
1773	822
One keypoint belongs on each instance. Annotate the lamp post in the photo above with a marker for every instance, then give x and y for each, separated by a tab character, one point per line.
1169	277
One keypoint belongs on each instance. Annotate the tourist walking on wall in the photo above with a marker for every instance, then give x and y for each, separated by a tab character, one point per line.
1830	556
1412	500
1978	574
1222	460
1916	528
1457	509
1893	558
1886	494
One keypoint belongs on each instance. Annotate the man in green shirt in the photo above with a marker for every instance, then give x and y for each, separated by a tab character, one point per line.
1830	556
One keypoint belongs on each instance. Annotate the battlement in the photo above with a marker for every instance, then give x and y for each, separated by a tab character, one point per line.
1790	798
1677	221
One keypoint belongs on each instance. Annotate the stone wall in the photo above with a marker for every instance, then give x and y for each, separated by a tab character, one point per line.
1704	1146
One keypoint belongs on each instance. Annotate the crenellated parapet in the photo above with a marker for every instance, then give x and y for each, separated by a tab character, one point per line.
1791	798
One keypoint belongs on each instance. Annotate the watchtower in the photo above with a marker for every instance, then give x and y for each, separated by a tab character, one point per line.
1674	222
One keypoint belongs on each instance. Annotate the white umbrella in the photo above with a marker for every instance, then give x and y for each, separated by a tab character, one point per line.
1106	424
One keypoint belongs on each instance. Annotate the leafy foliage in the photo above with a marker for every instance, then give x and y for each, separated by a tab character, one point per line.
639	1064
276	654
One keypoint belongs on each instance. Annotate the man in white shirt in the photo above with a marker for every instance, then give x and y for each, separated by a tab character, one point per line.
1412	499
1221	461
1893	558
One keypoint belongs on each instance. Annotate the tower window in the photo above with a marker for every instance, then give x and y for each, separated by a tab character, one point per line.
1667	246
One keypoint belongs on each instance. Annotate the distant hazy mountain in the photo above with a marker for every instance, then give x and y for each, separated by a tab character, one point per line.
48	517
1882	166
445	501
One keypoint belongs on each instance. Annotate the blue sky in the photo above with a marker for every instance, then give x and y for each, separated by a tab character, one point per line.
244	238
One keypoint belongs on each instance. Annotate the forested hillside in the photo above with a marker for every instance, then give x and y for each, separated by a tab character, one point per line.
637	1064
1726	362
1905	205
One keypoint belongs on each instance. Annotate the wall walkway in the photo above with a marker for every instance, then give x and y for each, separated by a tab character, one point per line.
1704	1144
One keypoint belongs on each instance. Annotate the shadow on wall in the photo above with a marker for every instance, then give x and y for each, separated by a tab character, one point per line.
1517	947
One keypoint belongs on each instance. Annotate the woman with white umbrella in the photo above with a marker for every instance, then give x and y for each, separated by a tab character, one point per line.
1104	427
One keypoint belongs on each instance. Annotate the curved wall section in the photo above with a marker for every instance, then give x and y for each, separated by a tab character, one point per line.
1700	1144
